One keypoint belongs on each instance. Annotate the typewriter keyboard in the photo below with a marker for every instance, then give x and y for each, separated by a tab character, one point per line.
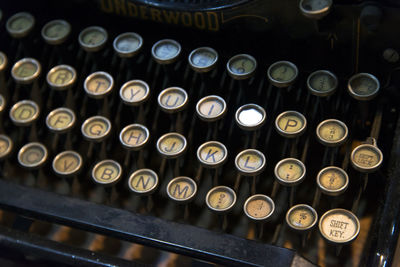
193	130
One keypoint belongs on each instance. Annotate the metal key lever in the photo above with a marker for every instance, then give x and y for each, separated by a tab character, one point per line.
365	158
251	118
135	94
25	113
61	121
127	46
182	190
25	73
203	62
6	149
259	208
290	172
221	200
165	53
302	218
68	164
19	26
61	78
171	146
339	227
33	156
96	129
211	155
55	33
144	183
133	138
212	110
106	174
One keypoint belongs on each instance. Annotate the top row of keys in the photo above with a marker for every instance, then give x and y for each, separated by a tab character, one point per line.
282	74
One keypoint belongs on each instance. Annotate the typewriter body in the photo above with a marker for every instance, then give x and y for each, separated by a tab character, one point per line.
237	132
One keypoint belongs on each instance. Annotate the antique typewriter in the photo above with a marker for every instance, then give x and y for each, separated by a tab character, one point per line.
199	133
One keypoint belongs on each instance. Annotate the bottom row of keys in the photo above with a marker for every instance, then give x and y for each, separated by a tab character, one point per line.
338	226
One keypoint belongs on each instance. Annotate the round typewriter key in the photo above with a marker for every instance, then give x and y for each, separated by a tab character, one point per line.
259	207
211	108
26	70
134	136
290	124
282	74
134	92
107	172
6	146
55	32
322	83
3	66
128	44
3	61
24	112
250	117
143	182
301	218
212	154
391	55
32	155
171	145
250	162
93	38
20	24
339	226
181	189
332	181
172	99
290	172
98	84
61	77
67	163
203	59
366	158
166	51
221	199
2	103
96	128
315	9
363	86
2	108
60	120
332	132
241	66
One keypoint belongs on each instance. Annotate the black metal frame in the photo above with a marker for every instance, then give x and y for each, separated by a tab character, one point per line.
147	230
15	245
